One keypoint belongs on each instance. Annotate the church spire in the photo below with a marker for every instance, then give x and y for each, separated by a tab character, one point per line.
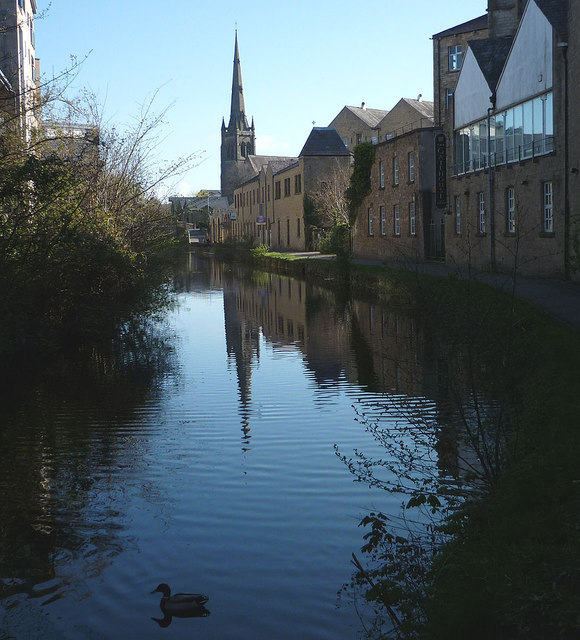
238	111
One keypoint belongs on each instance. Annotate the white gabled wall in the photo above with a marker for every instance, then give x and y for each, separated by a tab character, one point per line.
528	70
472	93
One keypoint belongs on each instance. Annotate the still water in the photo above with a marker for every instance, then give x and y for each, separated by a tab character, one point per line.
199	450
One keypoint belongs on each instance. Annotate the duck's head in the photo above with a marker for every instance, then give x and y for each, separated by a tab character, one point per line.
164	589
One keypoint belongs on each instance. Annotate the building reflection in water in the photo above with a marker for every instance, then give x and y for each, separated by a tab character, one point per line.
387	351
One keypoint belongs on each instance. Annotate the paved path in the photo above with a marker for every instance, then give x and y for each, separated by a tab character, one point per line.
558	298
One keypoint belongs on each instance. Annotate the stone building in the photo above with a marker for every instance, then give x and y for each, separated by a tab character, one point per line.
19	67
358	124
269	208
399	221
508	137
405	116
449	48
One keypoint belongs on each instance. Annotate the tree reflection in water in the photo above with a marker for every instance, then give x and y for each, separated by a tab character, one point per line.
61	508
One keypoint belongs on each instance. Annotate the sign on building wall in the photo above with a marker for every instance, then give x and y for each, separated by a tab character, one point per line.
440	171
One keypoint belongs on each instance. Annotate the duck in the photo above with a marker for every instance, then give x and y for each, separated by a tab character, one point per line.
181	605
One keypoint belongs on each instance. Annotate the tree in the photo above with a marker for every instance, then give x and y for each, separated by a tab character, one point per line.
81	225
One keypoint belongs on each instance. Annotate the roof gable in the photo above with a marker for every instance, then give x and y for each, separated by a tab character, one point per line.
491	55
528	70
472	93
324	141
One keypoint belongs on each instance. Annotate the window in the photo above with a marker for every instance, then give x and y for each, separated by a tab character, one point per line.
383	222
277	191
523	131
449	94
411	167
548	208
370	221
345	142
358	138
268	193
455	57
298	183
481	211
412	221
286	187
374	140
457	215
395	171
511	210
397	220
381	175
298	227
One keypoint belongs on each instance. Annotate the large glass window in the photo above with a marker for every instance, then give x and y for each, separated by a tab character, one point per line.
474	147
395	170
499	138
411	167
518	131
381	175
370	220
482	144
528	144
383	222
521	132
412	221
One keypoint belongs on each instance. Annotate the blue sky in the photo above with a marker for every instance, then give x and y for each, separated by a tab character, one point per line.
302	61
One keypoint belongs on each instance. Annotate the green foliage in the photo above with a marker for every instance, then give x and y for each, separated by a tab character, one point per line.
79	238
360	179
336	240
493	553
261	250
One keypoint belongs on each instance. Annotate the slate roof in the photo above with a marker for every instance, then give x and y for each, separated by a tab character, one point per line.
276	162
324	141
491	55
424	107
556	11
471	25
370	117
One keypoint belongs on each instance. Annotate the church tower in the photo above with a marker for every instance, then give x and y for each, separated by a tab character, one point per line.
238	138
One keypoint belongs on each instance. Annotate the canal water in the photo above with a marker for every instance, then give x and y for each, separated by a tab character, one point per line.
198	450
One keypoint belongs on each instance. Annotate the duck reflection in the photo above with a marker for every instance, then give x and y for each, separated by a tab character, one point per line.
180	605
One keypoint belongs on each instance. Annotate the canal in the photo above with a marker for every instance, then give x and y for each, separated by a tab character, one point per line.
199	449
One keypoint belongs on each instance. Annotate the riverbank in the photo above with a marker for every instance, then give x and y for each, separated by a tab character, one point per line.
510	568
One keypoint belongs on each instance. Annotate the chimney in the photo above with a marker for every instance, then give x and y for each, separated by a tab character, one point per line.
504	17
363	106
419	97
